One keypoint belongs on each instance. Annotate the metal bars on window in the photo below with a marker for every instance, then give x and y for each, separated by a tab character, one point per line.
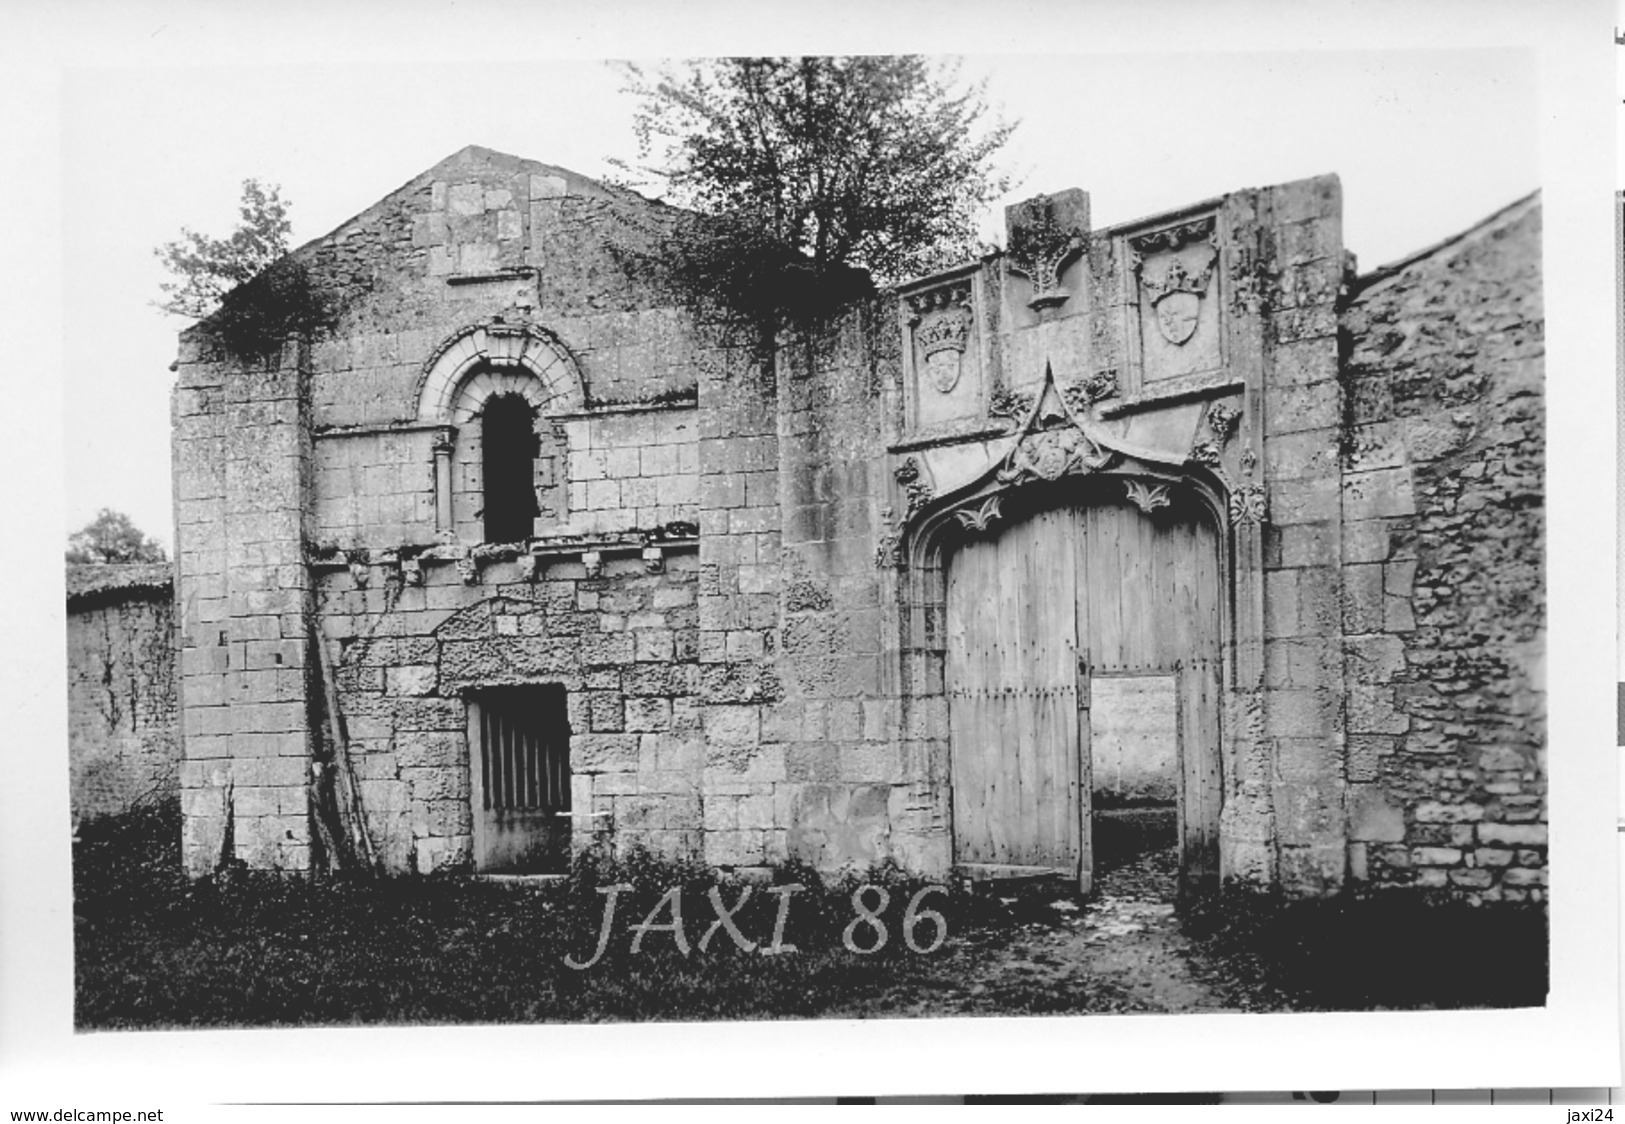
524	755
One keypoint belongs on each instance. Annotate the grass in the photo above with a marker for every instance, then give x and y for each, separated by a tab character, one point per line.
1397	950
154	949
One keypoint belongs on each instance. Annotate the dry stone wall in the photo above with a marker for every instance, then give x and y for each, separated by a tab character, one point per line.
123	749
1443	566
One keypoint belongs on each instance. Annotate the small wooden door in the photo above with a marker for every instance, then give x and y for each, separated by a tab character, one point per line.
1016	690
1059	594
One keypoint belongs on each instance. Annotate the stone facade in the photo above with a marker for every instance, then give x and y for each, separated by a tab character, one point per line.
123	748
733	555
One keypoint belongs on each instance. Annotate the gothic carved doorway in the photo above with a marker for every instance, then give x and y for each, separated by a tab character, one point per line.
1083	670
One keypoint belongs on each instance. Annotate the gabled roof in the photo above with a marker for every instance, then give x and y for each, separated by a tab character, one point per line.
474	156
470	158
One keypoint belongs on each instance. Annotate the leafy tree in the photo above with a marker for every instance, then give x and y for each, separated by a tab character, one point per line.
112	537
815	167
206	268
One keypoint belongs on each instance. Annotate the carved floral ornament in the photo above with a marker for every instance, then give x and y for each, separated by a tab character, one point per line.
1059	439
1206	452
1247	504
1094	388
1147	497
1040	250
983	517
889	551
939	298
1222	419
1006	403
915	487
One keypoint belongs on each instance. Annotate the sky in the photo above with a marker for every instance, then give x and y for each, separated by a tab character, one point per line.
1426	142
125	120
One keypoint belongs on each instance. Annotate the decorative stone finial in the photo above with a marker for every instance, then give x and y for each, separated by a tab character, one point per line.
1045	234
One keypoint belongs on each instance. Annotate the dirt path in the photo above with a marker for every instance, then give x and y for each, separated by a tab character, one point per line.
1121	951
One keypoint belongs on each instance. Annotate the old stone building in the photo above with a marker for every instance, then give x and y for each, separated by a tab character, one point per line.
521	551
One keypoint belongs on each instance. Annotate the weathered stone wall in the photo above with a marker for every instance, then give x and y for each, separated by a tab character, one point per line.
727	574
746	815
1303	265
1444	610
485	235
840	724
621	472
122	745
482	233
622	643
346	527
242	452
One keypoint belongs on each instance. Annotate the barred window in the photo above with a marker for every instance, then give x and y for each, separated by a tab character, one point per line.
519	743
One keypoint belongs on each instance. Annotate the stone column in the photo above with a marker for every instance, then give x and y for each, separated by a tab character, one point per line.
444	441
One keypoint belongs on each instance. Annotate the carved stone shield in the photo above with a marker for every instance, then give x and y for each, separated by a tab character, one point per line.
942	368
942	345
1177	314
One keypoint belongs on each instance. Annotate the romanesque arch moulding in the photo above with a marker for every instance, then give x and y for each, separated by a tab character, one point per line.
495	358
469	368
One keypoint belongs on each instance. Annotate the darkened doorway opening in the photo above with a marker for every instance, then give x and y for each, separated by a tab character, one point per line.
519	766
508	448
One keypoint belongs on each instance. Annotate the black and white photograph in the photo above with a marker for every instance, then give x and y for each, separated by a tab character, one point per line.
1067	541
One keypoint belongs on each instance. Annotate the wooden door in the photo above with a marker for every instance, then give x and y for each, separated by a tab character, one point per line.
1149	607
1019	768
1062	593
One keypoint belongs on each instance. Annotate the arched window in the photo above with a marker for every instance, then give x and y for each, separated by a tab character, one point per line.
492	391
508	448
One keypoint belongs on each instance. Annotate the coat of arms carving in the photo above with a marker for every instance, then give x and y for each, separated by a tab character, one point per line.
1175	290
1050	454
942	340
